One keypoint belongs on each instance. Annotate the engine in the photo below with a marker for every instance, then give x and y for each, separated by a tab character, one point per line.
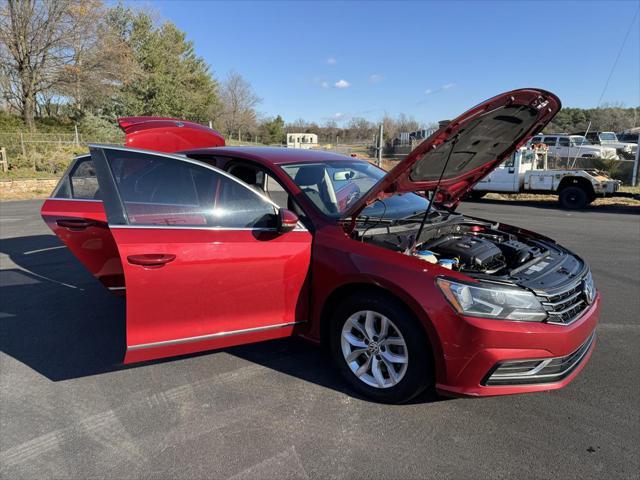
474	247
470	252
485	251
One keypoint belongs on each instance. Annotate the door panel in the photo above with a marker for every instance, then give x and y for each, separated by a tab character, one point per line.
219	283
82	227
203	264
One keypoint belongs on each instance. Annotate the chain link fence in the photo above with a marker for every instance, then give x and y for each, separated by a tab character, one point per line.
47	153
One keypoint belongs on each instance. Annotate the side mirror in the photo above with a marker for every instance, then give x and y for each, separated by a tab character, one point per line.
287	220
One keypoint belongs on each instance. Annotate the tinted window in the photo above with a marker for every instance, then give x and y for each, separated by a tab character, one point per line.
510	162
81	182
564	142
157	190
550	141
536	139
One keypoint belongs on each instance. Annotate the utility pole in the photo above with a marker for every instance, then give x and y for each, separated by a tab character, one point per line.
634	175
380	144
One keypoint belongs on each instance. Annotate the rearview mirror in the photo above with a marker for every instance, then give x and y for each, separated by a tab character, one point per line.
344	175
287	220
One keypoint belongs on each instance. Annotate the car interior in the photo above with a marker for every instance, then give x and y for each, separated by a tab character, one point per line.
266	185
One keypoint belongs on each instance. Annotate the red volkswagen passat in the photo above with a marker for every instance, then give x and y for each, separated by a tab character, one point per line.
222	246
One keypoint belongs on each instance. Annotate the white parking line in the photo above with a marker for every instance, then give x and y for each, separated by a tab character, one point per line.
30	252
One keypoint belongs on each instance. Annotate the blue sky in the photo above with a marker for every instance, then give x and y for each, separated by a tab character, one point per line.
432	60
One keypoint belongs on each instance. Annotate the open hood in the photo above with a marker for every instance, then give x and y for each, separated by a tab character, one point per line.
169	135
467	149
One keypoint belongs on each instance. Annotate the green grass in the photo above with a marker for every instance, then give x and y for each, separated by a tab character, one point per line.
629	189
25	173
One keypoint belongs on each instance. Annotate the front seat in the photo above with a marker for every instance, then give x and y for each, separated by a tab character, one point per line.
249	176
309	176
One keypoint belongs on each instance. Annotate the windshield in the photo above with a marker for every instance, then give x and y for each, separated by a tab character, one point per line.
579	140
608	137
334	186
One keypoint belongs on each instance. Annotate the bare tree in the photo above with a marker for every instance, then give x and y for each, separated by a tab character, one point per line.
99	61
238	102
32	49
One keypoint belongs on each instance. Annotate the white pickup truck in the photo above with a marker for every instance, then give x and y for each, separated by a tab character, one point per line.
576	188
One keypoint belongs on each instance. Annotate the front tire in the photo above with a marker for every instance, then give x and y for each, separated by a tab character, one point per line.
573	198
379	347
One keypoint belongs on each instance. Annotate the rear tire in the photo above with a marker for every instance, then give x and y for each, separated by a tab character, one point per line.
477	195
574	198
380	348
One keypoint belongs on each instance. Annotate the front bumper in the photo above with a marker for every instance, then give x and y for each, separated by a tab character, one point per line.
484	346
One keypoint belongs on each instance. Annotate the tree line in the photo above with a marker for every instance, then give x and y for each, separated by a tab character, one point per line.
82	61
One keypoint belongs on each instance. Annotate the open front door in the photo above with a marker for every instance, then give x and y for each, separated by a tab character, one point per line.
204	265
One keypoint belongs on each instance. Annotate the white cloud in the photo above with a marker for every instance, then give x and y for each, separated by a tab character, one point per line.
342	84
442	88
324	84
375	78
331	61
339	116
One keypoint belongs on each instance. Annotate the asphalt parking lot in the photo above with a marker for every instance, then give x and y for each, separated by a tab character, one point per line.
277	410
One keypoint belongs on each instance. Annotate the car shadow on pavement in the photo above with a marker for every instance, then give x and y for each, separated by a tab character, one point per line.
54	316
299	358
58	320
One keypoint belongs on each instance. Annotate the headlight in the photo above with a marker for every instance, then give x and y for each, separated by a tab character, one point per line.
498	302
627	148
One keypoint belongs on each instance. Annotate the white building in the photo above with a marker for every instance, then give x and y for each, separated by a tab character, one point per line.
302	140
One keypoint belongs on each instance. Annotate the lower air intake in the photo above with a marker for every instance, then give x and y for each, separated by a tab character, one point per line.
547	370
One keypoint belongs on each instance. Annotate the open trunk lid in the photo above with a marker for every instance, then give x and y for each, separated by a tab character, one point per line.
468	148
163	134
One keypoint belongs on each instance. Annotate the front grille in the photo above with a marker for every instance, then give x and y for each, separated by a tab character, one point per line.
566	306
548	370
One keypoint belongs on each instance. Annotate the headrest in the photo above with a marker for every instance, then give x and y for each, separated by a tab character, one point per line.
309	175
246	174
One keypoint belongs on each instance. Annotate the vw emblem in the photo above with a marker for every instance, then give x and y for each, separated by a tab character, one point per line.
589	291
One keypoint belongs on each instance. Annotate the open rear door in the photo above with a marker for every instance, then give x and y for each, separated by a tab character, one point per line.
204	264
75	213
163	134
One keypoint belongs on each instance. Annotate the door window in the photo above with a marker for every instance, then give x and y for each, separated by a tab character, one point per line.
564	142
550	141
80	183
159	190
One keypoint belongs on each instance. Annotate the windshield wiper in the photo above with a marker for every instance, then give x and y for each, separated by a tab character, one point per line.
366	218
418	215
394	221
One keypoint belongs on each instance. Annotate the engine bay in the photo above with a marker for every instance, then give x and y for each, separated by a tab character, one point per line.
482	250
477	248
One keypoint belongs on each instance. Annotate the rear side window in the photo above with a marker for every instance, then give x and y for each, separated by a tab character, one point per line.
564	142
80	183
158	190
550	141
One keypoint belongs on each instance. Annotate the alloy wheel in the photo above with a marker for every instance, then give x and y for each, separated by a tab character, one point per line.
374	349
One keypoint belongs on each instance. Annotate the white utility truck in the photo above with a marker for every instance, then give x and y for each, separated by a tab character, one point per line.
526	172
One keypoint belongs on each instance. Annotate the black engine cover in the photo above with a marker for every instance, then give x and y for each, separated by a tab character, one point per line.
473	252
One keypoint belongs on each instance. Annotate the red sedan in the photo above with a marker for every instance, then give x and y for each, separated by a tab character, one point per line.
220	246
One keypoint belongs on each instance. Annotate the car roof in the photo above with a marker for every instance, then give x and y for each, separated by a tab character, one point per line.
272	155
